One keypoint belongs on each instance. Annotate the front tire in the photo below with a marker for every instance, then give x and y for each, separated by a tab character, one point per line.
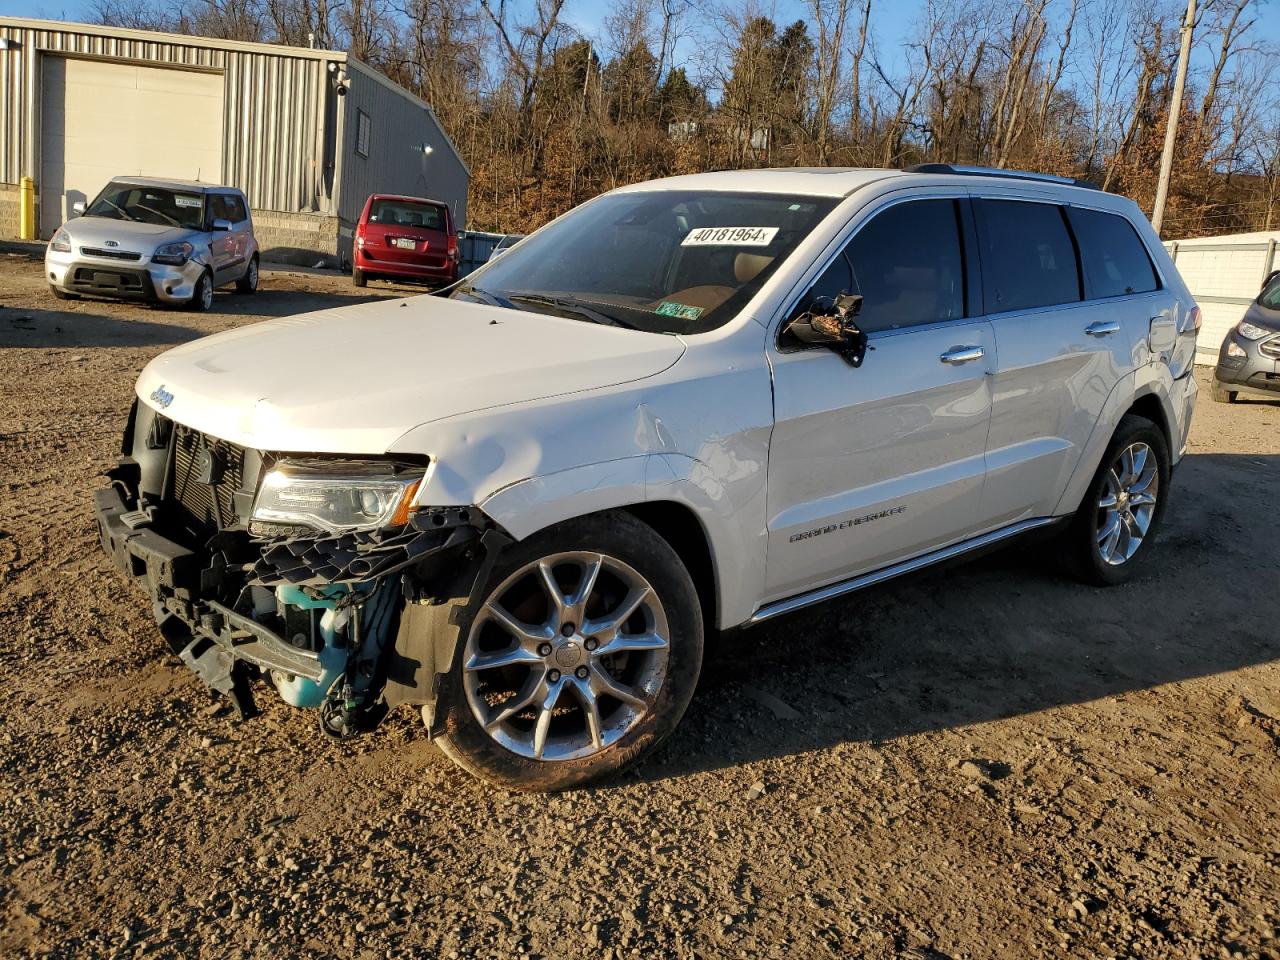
249	282
580	660
1110	537
202	297
62	294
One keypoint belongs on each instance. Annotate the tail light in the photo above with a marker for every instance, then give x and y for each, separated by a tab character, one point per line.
453	246
360	235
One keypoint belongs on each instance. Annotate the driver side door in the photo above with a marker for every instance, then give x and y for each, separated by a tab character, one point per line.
873	465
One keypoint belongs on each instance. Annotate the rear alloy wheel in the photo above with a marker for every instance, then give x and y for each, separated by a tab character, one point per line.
582	657
202	297
249	282
1112	531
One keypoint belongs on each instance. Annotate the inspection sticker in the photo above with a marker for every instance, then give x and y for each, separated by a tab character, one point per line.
669	308
730	237
186	201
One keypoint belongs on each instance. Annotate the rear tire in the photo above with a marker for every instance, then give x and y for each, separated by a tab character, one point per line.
1222	395
584	688
202	297
62	294
359	277
1111	534
249	282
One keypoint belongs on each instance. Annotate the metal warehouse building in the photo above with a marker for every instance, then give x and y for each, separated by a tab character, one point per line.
307	134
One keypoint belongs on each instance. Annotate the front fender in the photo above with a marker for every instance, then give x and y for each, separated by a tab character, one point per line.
524	508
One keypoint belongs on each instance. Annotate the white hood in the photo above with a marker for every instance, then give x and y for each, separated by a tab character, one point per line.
353	379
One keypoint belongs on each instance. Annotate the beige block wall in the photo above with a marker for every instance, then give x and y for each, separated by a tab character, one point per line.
10	221
305	239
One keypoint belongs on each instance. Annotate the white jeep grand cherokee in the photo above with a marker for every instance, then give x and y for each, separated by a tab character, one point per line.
687	405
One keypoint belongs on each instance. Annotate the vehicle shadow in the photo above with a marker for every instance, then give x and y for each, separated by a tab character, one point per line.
32	328
1001	636
76	326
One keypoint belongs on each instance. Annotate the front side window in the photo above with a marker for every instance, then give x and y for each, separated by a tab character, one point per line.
158	205
908	266
1028	259
406	213
1115	261
237	213
665	261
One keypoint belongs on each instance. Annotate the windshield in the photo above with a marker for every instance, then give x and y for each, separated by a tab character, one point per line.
159	205
1270	296
670	261
406	213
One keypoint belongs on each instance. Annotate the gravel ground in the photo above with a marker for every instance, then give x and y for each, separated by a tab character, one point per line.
988	761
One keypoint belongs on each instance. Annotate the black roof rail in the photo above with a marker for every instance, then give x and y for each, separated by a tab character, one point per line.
1001	172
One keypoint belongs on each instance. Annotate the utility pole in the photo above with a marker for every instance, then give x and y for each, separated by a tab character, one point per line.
1175	110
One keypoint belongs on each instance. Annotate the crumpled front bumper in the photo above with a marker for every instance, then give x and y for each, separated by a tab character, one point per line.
128	280
207	635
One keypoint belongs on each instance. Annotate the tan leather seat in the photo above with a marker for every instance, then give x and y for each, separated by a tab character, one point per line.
747	266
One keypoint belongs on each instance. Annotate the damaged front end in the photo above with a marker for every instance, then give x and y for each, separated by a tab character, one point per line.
313	574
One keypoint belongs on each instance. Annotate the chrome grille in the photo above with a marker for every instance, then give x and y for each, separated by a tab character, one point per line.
206	474
1270	348
110	254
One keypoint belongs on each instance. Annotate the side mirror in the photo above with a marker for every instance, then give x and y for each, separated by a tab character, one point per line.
78	208
831	323
221	226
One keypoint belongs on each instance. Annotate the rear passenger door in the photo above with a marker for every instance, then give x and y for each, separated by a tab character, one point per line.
241	232
875	464
221	242
1066	317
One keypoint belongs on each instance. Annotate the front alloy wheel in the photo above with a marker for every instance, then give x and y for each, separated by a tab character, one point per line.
581	658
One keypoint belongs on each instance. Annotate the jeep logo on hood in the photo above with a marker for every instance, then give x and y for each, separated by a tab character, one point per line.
161	396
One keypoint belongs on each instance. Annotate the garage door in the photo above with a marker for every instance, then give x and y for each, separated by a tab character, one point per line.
101	119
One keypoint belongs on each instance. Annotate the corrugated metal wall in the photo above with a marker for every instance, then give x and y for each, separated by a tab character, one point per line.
275	107
399	125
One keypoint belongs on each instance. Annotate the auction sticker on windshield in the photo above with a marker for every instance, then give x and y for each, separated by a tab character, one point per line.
186	201
730	237
669	308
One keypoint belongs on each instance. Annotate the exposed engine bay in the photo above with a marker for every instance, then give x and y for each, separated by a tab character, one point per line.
265	568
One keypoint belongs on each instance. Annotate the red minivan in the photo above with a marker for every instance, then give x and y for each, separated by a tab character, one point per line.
405	238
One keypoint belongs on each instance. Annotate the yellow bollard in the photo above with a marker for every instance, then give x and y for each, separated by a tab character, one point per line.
27	209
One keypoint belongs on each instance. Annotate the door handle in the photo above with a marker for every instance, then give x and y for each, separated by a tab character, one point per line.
1102	328
962	355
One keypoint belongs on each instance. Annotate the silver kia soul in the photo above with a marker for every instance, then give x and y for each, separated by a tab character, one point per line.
688	405
170	241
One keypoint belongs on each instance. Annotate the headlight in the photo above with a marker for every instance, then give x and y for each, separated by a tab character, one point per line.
175	254
335	502
1235	350
1251	331
61	241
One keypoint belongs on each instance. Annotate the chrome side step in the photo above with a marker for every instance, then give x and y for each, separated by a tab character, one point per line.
791	604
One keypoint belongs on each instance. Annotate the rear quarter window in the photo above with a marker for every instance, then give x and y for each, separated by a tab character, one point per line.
1028	259
1115	261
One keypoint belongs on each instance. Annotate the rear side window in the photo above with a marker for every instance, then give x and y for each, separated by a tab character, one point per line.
1028	259
908	266
1115	261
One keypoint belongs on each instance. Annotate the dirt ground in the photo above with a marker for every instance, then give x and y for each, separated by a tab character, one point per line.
988	761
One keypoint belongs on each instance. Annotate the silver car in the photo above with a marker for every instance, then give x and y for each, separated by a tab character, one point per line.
170	241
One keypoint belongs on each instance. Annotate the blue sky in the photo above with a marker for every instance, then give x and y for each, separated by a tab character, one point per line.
892	21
